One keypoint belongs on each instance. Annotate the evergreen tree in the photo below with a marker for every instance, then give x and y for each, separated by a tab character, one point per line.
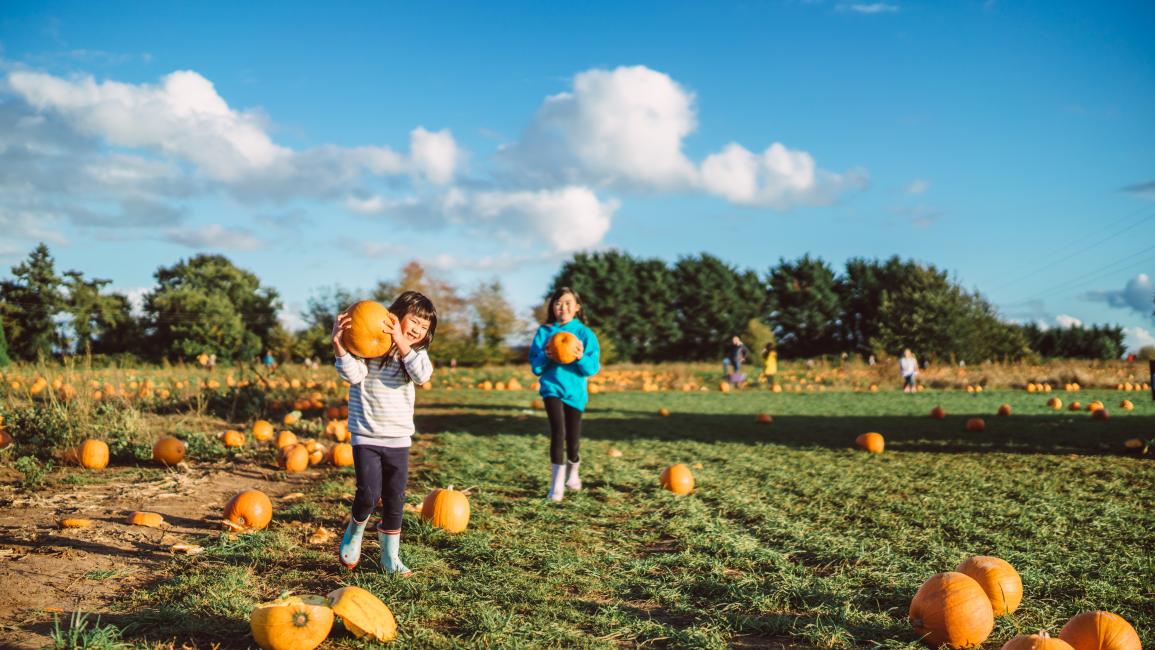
31	300
807	310
5	360
714	302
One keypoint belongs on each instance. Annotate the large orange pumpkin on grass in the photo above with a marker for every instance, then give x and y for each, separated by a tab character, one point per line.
562	347
872	442
292	623
937	413
368	334
976	424
998	579
364	614
233	438
678	479
263	431
1004	409
293	458
1040	641
1100	631
952	608
341	455
168	450
446	509
91	454
248	511
285	438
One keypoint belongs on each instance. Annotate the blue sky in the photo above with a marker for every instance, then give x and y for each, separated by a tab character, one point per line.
1012	143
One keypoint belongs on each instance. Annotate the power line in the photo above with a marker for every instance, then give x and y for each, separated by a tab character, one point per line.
1095	274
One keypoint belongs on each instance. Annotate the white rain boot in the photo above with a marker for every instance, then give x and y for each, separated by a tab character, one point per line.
572	480
557	483
350	551
391	554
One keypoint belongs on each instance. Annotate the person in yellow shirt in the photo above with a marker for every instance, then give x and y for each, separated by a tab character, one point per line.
769	364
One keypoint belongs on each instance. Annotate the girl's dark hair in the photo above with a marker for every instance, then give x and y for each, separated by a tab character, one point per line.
556	296
413	302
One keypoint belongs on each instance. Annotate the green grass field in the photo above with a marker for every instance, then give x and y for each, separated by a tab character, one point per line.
791	539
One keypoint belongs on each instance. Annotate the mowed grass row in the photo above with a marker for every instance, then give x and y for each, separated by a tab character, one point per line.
791	537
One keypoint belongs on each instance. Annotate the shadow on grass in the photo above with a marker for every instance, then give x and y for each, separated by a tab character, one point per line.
1028	434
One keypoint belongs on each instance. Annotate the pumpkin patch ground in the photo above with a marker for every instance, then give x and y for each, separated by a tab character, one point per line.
791	537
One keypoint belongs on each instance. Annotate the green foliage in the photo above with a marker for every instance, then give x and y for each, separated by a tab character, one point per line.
30	302
90	311
5	360
118	331
715	302
1146	353
41	429
85	634
806	307
206	304
757	336
34	471
1095	342
119	426
237	403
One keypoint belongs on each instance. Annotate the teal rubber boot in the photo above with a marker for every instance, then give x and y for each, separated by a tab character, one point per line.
391	554
351	543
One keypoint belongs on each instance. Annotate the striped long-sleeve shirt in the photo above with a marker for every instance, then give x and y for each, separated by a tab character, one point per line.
381	397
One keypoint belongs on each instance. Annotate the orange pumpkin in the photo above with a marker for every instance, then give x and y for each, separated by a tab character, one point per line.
1005	409
232	438
285	438
1055	403
364	614
339	429
1100	414
764	418
952	608
91	454
248	510
168	450
1040	641
562	347
341	455
976	424
368	333
998	579
937	413
537	404
1075	406
5	439
678	479
1135	446
664	412
1100	631
1126	405
150	519
262	431
293	417
872	442
292	623
293	458
447	509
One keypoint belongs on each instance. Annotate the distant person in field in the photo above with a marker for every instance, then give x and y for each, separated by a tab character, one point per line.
564	387
769	364
736	352
908	365
381	397
269	361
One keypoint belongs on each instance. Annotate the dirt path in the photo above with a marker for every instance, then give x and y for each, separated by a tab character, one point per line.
46	570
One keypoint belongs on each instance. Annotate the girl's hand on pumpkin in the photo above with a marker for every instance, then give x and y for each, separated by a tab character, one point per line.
581	350
399	339
340	325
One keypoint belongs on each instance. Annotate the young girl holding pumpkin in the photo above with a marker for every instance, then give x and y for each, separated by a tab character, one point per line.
381	397
565	354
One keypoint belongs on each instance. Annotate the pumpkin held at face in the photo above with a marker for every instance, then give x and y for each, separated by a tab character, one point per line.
368	335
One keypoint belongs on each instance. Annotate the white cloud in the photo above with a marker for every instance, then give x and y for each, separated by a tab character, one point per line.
1136	295
871	8
215	237
569	219
1065	321
1137	337
778	178
917	186
435	155
135	297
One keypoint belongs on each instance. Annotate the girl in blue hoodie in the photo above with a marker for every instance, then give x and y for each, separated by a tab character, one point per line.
564	387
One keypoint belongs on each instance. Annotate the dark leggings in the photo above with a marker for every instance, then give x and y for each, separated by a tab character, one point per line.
565	431
381	473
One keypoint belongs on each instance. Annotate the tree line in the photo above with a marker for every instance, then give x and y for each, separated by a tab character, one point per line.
652	311
643	309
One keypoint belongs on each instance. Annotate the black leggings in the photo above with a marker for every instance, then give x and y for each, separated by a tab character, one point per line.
382	472
565	431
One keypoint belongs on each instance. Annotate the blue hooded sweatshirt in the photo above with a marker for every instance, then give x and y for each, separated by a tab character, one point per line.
566	382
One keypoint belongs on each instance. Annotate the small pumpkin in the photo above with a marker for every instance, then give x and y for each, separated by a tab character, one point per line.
998	579
368	335
1075	406
1055	403
1100	414
764	418
316	451
339	429
5	439
249	510
938	413
292	623
562	347
150	519
664	412
1126	405
75	522
90	454
293	458
678	479
168	450
538	404
871	442
446	509
614	453
286	438
291	418
1004	410
233	438
1135	446
951	608
1100	631
263	431
1040	641
341	455
364	614
976	424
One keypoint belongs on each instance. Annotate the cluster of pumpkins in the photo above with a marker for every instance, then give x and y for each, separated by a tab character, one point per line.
294	454
958	609
93	453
